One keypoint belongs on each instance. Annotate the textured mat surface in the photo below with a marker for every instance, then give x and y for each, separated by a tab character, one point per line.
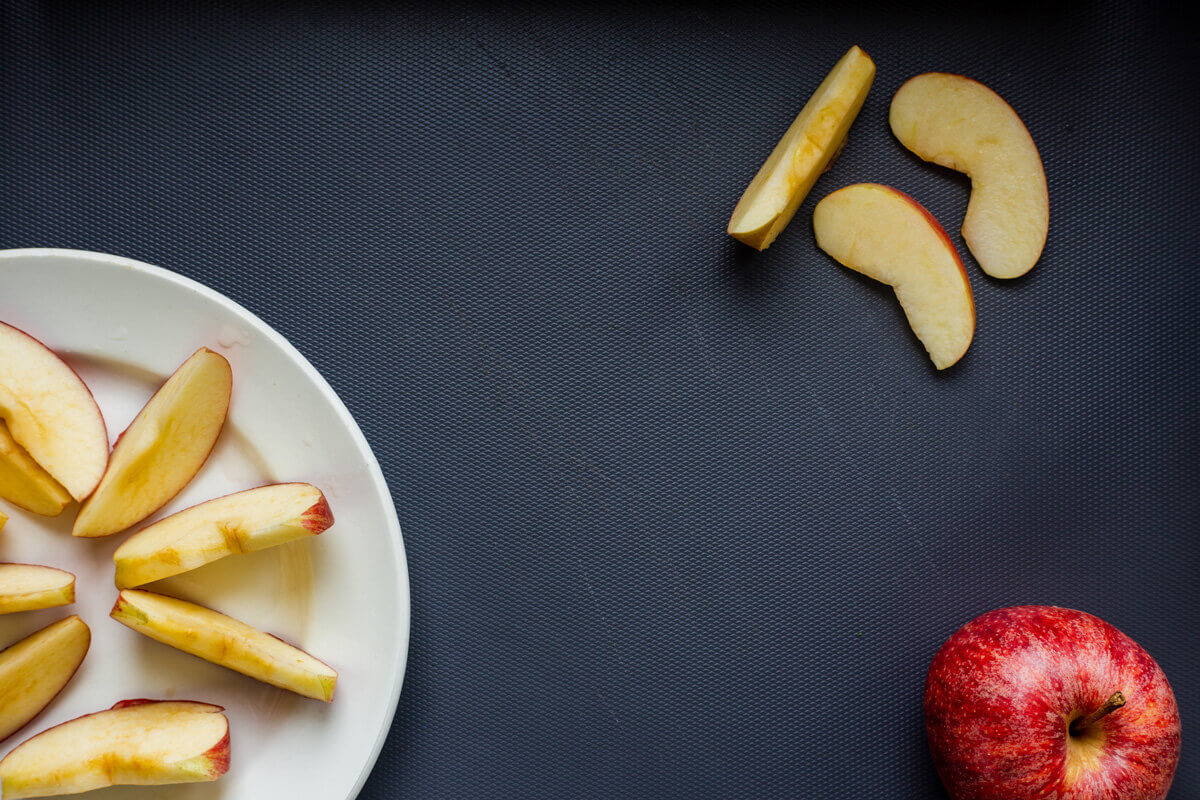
683	521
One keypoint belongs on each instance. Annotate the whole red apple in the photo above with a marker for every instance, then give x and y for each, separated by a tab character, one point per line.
1044	702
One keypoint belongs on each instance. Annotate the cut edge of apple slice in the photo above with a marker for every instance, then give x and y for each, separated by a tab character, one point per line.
787	176
24	483
22	656
89	448
36	587
942	361
168	741
134	608
214	531
988	257
138	435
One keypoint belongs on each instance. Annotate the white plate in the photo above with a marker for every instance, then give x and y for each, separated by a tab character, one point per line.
343	595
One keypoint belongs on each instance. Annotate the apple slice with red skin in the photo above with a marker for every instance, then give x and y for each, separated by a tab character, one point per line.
243	522
225	641
163	448
24	483
34	670
1038	701
135	743
961	124
886	235
28	587
51	413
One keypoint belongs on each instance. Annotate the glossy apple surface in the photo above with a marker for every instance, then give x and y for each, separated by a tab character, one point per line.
1017	708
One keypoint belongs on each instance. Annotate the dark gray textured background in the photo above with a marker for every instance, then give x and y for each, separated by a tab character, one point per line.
683	521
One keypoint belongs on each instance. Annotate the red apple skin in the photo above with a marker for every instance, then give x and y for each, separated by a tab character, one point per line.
319	517
1003	689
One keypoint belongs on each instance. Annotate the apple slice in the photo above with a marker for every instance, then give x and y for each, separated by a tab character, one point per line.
237	523
225	641
805	151
163	448
135	743
50	412
24	483
3	519
27	587
888	236
961	124
34	670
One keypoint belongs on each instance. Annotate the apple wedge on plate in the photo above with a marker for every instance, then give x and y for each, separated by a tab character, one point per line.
135	743
886	235
28	587
34	670
243	522
961	124
52	418
163	448
24	483
225	641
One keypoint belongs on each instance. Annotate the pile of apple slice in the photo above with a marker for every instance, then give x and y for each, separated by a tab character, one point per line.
885	234
54	452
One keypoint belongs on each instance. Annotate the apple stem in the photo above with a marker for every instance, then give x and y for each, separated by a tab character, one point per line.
1083	723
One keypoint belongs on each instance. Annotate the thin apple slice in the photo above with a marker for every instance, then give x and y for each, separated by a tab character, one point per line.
962	124
886	235
50	412
135	743
28	587
225	641
243	522
34	670
805	151
163	448
24	483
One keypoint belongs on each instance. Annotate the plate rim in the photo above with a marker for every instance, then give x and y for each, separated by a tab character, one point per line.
402	588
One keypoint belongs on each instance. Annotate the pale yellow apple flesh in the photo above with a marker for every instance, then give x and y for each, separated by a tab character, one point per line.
225	641
961	124
135	743
50	412
238	523
24	483
163	448
888	236
28	587
34	670
805	151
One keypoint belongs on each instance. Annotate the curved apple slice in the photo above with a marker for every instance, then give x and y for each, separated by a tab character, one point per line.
28	587
135	743
24	483
886	235
225	641
961	124
163	448
237	523
805	151
34	670
51	413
